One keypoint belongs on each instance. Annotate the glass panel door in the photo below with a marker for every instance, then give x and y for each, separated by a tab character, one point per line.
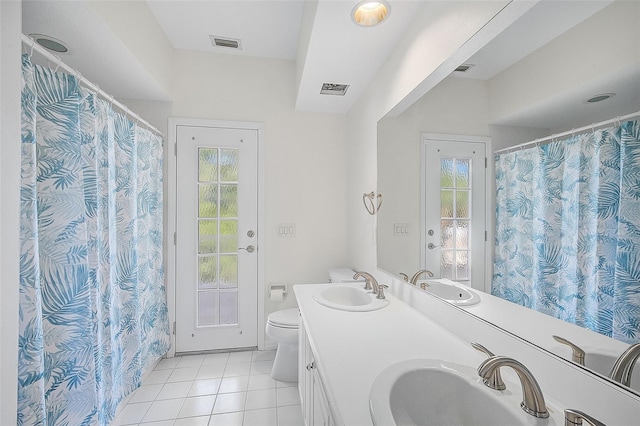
217	237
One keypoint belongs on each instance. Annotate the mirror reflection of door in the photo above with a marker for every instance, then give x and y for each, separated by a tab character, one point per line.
453	234
216	268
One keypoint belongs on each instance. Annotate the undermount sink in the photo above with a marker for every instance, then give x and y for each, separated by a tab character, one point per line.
434	392
451	292
349	298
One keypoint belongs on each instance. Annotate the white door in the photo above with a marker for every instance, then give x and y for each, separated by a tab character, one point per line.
216	260
453	232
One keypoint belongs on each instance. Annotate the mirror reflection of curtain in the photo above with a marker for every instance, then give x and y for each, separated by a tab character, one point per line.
568	229
93	313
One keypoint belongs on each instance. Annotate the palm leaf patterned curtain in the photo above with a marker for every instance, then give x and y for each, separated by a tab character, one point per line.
568	230
93	313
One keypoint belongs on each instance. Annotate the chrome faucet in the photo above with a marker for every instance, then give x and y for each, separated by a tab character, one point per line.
496	378
622	369
532	398
370	283
414	279
575	417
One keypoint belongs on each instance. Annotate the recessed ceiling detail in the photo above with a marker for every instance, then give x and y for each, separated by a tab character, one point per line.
370	13
50	43
334	89
601	97
231	43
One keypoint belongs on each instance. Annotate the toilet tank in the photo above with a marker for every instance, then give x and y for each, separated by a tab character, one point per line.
342	275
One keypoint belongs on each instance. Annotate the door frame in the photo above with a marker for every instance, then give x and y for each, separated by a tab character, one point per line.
171	215
489	195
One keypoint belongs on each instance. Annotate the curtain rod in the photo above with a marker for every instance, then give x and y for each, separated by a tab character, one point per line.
549	139
51	57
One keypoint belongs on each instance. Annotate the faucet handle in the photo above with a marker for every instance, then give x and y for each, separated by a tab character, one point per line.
495	381
381	288
575	417
577	354
404	276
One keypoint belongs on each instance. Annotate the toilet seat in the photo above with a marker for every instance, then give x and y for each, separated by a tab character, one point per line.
286	318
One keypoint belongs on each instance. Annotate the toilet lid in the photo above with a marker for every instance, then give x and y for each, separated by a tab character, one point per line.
287	318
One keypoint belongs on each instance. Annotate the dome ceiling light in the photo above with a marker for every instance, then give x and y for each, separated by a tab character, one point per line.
50	43
600	98
370	13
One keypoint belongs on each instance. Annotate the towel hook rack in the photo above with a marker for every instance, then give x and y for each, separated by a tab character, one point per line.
372	202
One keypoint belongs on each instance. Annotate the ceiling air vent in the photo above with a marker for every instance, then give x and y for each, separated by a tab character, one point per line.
464	68
232	43
334	89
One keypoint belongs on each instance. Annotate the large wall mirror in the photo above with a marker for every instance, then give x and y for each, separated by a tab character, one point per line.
531	81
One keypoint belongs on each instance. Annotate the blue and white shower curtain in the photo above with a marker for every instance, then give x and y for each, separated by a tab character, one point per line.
93	312
568	230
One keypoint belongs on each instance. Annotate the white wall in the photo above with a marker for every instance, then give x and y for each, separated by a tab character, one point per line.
10	78
305	163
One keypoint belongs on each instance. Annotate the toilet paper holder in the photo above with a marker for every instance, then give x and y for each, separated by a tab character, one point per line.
280	287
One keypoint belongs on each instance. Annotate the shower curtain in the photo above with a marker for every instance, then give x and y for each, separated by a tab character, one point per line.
568	230
93	313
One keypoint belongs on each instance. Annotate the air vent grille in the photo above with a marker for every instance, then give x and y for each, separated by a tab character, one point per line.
464	68
334	89
231	43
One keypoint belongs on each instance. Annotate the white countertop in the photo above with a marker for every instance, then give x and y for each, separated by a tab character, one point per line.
352	348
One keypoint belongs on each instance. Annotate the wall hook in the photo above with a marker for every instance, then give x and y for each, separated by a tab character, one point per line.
369	200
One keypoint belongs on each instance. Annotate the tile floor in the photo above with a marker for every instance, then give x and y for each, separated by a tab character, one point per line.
224	389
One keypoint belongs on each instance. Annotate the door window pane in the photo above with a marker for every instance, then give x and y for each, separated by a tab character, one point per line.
446	203
208	272
207	164
229	200
207	308
462	172
228	165
229	271
229	236
462	204
228	307
446	173
208	200
207	236
462	235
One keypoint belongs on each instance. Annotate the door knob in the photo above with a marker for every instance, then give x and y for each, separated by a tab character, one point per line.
431	246
249	248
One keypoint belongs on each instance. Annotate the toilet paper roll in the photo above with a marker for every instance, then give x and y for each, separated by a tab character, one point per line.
277	295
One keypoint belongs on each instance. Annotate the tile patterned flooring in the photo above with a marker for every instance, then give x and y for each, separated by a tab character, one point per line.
222	389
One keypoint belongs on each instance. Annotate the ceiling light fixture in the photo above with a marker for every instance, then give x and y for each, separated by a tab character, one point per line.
599	98
50	43
369	13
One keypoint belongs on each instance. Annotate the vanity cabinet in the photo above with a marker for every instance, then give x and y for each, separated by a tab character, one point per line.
315	408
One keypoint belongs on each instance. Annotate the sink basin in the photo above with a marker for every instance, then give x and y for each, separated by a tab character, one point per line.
449	291
434	392
349	298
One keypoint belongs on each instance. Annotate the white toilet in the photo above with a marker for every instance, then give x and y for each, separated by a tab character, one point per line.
282	326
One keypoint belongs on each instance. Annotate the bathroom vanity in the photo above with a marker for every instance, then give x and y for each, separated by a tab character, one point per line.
343	353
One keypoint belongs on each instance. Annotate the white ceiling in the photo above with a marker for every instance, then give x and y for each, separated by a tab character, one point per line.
267	29
320	36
